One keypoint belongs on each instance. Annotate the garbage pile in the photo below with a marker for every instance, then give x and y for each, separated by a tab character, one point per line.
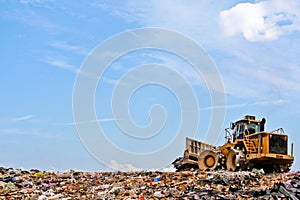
38	185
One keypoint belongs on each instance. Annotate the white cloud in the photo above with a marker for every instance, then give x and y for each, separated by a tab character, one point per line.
91	121
110	81
194	17
61	64
266	20
224	106
28	132
269	102
182	67
255	71
34	19
68	47
124	167
23	118
14	131
32	1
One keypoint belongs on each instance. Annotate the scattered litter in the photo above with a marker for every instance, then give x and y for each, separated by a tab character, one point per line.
157	179
258	171
38	185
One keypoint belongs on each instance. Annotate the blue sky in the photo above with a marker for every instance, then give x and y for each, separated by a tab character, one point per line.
253	44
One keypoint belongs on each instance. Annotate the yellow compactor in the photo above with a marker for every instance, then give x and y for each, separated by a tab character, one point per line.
247	146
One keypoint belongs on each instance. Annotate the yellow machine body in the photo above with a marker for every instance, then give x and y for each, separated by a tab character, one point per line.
247	145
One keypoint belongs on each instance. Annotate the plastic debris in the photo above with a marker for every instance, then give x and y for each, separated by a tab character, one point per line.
157	179
8	179
38	175
7	187
158	194
258	171
148	185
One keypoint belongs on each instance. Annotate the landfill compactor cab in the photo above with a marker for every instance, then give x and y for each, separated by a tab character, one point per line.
247	145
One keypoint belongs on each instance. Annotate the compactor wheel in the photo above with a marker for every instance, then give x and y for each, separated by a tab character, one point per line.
208	160
232	160
284	168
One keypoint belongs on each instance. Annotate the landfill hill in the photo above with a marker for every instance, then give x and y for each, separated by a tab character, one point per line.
37	185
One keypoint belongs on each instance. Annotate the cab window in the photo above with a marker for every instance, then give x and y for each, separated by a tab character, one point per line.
253	128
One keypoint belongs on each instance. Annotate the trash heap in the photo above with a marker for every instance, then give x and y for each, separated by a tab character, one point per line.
37	185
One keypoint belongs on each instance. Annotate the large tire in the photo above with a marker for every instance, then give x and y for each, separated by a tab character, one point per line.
231	161
284	168
208	160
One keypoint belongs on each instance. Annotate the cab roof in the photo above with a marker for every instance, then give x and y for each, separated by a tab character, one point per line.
249	118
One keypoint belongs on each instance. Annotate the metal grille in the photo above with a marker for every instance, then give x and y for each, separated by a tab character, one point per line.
278	144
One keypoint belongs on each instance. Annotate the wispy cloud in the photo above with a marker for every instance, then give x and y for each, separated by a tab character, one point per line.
33	1
257	81
161	58
266	20
250	70
34	19
91	121
61	64
151	13
272	102
223	107
231	106
13	131
110	81
197	18
124	167
28	132
69	47
23	118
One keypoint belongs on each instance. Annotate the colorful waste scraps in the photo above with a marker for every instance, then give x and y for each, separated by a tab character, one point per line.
36	185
